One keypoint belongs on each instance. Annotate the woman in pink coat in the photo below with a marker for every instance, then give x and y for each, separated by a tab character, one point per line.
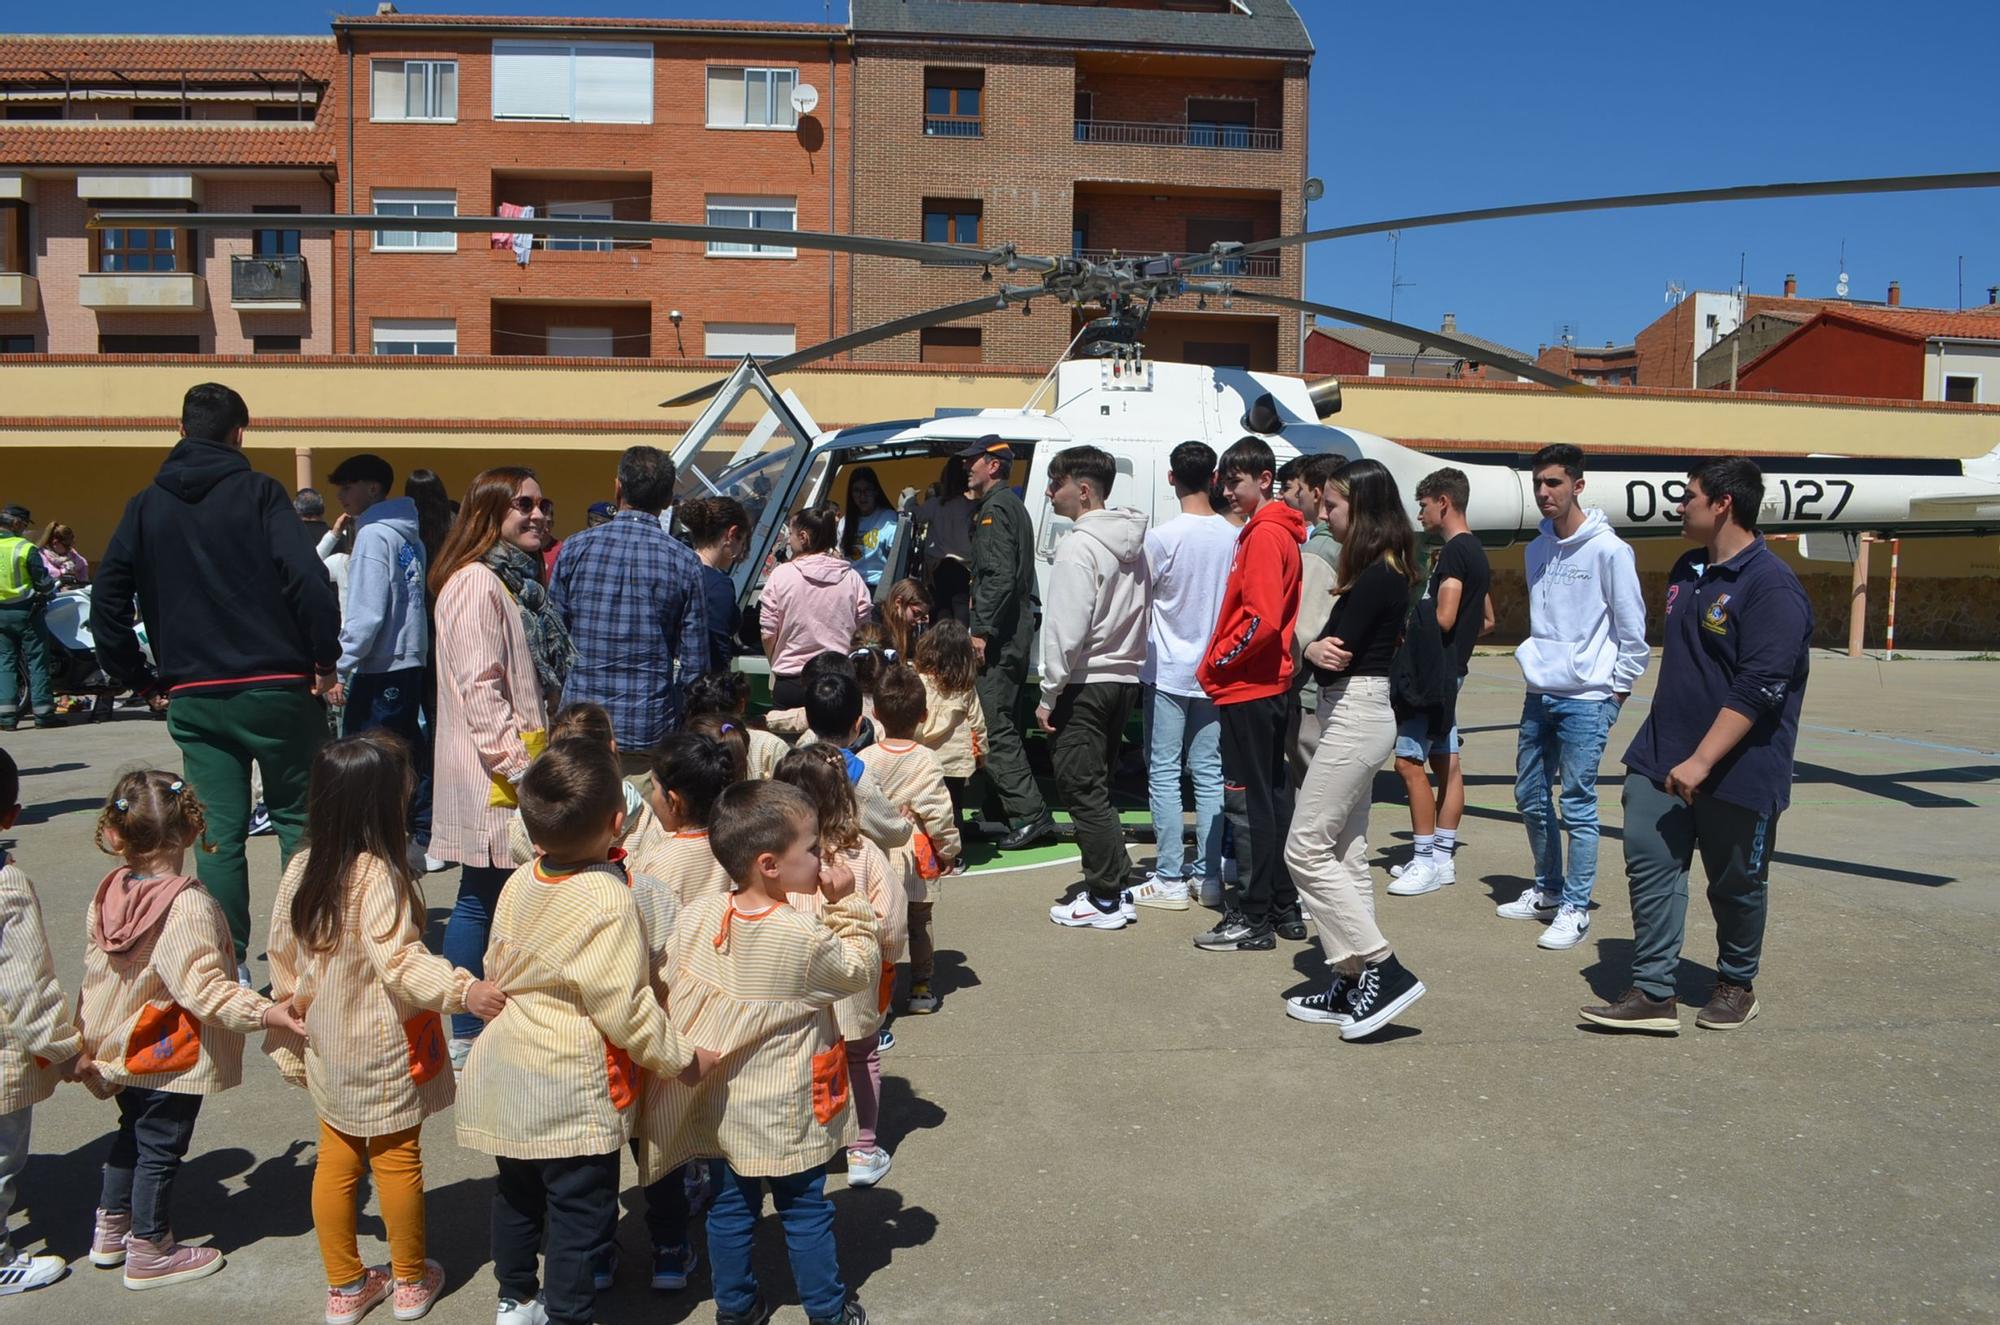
812	604
502	652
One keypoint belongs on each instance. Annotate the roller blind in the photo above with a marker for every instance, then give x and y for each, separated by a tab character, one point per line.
727	340
531	81
725	96
614	84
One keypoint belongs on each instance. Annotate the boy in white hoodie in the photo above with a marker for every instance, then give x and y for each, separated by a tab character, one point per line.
1093	648
1586	647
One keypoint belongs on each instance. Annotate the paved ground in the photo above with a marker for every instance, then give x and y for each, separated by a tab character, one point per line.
1116	1126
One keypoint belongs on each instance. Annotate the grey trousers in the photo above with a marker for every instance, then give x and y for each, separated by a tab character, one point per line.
1662	835
13	1158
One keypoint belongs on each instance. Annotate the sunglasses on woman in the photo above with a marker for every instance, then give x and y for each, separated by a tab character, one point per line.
529	505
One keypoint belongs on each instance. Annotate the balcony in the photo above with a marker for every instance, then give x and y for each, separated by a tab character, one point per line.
142	292
1256	266
953	126
1134	133
19	293
267	284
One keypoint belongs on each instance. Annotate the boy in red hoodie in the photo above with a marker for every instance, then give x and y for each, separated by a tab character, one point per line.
1247	671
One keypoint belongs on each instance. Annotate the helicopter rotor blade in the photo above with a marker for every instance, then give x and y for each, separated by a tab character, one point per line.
1476	353
989	303
1976	179
597	228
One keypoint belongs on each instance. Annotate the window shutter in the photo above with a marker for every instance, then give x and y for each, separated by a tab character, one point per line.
388	90
725	97
728	340
531	81
614	84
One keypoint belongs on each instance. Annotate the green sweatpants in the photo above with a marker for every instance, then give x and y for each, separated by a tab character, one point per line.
1007	771
22	648
220	736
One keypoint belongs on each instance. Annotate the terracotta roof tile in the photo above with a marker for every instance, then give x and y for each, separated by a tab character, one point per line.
525	21
1922	323
169	143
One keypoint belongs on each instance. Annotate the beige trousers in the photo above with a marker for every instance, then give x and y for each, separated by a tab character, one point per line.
1328	850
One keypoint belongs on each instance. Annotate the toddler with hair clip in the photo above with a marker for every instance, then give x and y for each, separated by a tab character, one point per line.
726	696
162	1018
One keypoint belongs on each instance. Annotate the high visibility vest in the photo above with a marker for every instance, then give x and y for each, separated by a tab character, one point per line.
15	554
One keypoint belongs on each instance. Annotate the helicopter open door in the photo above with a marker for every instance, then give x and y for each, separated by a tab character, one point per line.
759	471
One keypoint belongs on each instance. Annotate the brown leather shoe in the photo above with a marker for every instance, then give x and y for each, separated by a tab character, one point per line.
1730	1007
1633	1011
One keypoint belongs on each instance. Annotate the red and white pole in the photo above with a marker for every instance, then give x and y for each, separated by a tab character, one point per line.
1895	552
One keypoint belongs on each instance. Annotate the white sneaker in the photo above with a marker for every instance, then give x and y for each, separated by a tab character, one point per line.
1128	907
432	864
1210	893
1166	894
865	1168
1083	914
1420	876
24	1272
1567	930
530	1312
1532	904
1444	862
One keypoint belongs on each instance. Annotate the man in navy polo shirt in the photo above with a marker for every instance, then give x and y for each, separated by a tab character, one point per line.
1711	769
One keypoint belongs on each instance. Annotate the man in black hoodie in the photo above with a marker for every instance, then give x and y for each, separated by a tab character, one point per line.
244	626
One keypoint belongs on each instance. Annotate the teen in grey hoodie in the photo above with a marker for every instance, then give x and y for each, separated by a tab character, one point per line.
1093	647
385	630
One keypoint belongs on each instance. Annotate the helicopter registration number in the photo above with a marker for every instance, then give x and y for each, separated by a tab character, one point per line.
1795	499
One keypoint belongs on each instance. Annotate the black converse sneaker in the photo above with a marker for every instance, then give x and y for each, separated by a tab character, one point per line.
1236	933
1328	1007
1384	989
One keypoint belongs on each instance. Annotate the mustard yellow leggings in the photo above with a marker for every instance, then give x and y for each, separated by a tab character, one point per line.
397	1161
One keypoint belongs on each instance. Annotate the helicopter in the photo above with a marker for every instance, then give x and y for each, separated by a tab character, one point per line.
1106	392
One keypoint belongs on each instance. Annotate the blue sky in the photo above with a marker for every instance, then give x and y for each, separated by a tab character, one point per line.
1472	106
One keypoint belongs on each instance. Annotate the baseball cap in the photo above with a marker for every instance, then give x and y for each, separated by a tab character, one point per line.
13	512
602	510
364	468
991	445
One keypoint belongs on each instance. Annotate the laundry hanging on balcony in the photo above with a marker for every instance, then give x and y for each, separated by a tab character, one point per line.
521	244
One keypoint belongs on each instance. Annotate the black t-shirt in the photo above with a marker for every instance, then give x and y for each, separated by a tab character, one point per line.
1464	560
1368	620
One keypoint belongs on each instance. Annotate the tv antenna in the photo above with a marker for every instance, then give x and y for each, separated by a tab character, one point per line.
1675	292
1840	285
1395	282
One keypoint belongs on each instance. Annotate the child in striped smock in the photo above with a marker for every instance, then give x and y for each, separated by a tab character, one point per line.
690	770
909	776
818	771
550	1087
727	695
38	1042
591	722
954	723
757	978
347	947
162	1017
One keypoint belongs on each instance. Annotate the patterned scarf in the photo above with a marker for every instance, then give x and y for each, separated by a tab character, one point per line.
548	638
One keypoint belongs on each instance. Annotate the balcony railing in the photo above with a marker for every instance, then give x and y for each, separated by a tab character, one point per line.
1132	133
1254	266
267	279
953	126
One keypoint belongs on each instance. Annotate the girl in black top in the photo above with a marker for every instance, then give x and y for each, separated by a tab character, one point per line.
1328	847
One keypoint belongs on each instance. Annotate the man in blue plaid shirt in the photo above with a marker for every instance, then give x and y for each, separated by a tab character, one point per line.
631	596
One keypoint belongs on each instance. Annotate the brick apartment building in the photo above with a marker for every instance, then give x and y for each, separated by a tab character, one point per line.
1141	126
1606	365
644	119
1890	353
238	124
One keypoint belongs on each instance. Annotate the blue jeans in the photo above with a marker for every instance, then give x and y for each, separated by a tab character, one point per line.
393	701
1178	726
1562	739
466	932
808	1219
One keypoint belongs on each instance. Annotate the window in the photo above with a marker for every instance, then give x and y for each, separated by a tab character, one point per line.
274	344
733	340
414	335
590	211
415	90
581	342
149	345
757	214
752	98
17	344
13	236
287	112
123	250
172	110
952	102
1079	236
950	345
1086	111
1963	389
952	221
274	243
1219	122
585	82
51	111
415	202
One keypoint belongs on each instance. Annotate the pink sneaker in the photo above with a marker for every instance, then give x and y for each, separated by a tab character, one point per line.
343	1308
157	1264
107	1240
416	1297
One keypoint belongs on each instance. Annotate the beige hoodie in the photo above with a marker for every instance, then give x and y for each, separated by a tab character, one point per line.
1094	617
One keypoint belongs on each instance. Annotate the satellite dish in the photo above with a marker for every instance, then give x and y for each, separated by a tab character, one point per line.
1315	190
804	97
1840	287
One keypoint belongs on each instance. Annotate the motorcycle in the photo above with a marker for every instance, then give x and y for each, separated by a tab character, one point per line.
72	652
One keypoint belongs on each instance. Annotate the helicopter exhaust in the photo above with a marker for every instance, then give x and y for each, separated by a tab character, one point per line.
1325	397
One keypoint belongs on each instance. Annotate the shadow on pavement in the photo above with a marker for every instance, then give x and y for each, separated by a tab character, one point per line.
1611	974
